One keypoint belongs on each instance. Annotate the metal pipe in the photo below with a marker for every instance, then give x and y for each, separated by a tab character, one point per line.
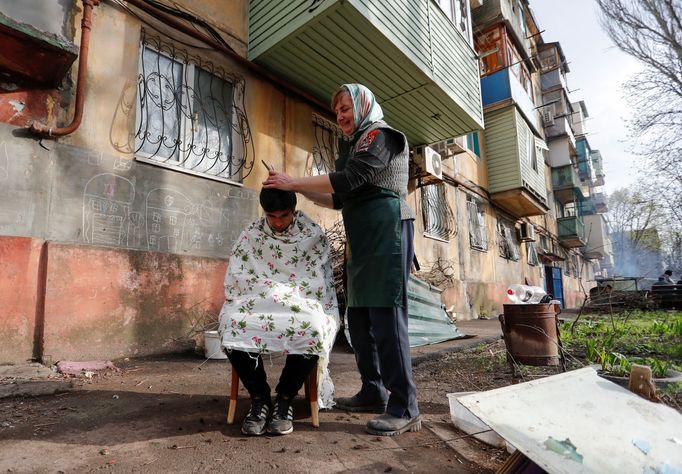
191	31
86	26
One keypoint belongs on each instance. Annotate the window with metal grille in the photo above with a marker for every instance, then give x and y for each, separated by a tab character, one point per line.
478	233
506	237
532	254
574	264
439	220
190	114
326	138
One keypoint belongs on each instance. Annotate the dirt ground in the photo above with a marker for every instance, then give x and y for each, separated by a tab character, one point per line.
168	415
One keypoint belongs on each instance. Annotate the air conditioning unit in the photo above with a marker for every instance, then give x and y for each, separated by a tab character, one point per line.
527	232
547	117
428	161
451	146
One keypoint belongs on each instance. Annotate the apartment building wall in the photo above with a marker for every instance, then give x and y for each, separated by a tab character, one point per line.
106	277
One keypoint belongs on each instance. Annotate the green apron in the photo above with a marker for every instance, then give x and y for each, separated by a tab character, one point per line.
371	216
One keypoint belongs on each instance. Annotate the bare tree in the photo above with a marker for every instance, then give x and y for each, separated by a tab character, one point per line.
635	222
651	31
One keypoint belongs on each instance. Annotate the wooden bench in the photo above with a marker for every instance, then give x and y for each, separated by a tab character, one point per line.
667	296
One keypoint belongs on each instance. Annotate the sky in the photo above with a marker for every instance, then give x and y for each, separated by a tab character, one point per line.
598	71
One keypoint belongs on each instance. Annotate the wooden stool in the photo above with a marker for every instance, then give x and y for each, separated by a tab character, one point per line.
310	387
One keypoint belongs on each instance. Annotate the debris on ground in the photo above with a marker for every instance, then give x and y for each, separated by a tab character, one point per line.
86	368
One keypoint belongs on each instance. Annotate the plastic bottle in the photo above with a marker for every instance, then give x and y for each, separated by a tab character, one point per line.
524	294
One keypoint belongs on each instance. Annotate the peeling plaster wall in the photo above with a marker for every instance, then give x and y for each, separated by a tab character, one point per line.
108	303
20	290
50	16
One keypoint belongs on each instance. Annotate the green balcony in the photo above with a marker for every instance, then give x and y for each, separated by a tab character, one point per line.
516	172
422	70
566	184
571	231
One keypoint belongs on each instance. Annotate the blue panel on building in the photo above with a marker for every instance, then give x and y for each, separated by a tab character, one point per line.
495	87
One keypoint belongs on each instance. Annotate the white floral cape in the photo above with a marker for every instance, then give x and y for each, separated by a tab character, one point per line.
280	296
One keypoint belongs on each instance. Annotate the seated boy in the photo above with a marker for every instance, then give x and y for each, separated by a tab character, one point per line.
280	297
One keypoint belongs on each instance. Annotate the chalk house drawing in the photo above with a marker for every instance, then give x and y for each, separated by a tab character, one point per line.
167	213
107	204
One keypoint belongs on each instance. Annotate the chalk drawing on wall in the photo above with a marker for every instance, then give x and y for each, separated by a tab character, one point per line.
122	164
208	217
107	204
95	159
167	214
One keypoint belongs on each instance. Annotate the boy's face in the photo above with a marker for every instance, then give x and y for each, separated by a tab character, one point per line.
279	221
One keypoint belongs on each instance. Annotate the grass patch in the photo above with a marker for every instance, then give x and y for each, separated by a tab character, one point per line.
615	342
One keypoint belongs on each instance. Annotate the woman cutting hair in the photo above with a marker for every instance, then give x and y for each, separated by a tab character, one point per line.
370	186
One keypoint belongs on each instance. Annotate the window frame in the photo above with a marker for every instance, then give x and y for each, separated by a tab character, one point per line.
480	227
507	242
532	254
330	135
189	71
445	216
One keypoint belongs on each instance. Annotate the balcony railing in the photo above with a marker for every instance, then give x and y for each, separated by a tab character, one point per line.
553	79
565	183
571	231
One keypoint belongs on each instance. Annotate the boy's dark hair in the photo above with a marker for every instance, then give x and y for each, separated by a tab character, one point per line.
273	200
668	272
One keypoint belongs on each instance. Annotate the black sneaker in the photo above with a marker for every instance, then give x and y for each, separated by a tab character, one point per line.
255	422
282	421
357	404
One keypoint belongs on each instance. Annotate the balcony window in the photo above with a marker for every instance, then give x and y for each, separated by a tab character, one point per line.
532	150
522	19
506	239
491	46
478	233
457	12
438	216
326	138
190	115
548	59
472	143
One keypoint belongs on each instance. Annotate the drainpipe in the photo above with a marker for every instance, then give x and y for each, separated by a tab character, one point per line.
86	26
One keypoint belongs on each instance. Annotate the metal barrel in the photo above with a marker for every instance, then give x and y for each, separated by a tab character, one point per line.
531	333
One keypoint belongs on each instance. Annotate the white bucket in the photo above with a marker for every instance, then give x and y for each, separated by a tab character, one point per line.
466	421
212	346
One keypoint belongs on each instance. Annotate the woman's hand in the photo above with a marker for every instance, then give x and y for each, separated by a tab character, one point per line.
279	181
316	184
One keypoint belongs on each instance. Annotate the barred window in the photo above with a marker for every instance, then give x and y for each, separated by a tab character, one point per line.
439	220
190	115
326	138
478	233
532	254
509	246
574	263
